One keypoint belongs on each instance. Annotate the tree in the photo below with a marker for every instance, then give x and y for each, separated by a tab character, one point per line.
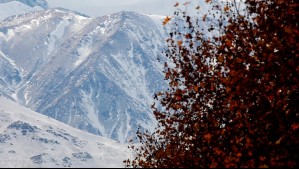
233	95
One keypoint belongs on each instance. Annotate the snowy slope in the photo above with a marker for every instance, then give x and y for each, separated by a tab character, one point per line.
9	76
15	8
95	74
29	139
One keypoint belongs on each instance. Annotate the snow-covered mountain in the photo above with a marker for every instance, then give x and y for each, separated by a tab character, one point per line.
95	74
16	7
41	3
29	139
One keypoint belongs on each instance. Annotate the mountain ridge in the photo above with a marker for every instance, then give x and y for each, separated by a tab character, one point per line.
30	139
33	3
96	74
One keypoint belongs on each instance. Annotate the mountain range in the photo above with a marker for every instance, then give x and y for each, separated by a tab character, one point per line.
32	3
95	74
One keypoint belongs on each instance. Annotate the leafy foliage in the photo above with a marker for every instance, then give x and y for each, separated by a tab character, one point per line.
233	94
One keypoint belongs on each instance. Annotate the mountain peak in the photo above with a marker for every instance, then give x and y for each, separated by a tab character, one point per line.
95	74
41	3
59	9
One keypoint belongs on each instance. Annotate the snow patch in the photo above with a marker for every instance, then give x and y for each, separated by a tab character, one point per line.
91	111
84	50
10	34
133	82
102	30
56	35
8	59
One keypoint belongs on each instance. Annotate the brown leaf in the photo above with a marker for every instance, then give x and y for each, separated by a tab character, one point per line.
218	151
166	20
204	17
180	43
220	58
279	140
207	136
295	126
188	36
226	8
196	88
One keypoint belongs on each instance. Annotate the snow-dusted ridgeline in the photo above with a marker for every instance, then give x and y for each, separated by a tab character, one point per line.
95	74
30	139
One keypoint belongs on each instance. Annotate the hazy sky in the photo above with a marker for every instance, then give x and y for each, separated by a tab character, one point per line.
78	3
103	7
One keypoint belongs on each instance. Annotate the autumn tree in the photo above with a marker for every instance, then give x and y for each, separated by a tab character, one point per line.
233	96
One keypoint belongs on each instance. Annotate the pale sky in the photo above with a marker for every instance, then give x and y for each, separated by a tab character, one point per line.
93	2
103	7
96	8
